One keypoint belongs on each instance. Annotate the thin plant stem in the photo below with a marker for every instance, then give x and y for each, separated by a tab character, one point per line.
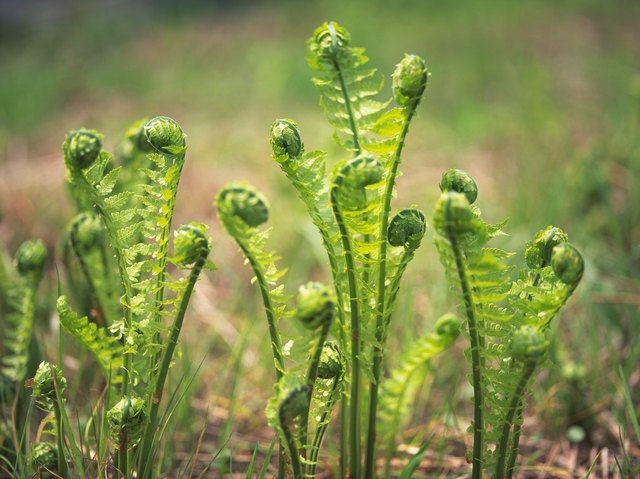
516	399
165	362
291	445
312	375
513	455
378	349
62	462
354	409
476	359
324	423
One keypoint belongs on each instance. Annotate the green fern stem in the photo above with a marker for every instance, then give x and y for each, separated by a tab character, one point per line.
343	90
122	267
165	362
514	406
515	441
312	376
291	445
476	359
378	349
276	345
354	409
319	435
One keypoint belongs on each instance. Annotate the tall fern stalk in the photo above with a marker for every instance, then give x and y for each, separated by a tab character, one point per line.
410	81
192	247
354	400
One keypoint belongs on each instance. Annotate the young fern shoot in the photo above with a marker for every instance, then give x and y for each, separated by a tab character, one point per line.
506	319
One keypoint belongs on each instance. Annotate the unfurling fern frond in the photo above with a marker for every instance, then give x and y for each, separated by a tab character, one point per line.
102	345
30	260
506	320
401	387
242	210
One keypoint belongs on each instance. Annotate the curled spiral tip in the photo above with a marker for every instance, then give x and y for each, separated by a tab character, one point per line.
315	304
567	263
285	139
409	80
242	200
332	361
293	397
328	42
460	181
137	136
81	148
86	231
407	228
453	214
31	257
191	243
44	459
528	344
127	419
537	252
44	385
448	325
165	135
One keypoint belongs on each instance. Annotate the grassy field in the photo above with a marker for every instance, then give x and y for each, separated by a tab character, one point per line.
539	101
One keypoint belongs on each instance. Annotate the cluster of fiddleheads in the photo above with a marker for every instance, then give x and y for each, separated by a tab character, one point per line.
507	319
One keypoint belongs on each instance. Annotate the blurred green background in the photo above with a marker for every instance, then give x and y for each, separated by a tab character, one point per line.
538	100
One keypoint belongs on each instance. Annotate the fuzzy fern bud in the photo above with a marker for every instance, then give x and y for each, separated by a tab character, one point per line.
353	177
460	181
285	139
127	420
165	135
448	326
453	214
567	263
31	257
47	380
81	148
407	228
293	397
537	252
191	244
409	80
242	200
528	344
44	460
315	304
86	231
332	361
328	44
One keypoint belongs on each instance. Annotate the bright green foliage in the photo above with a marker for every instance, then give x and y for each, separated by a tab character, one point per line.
315	304
407	377
126	420
44	460
103	346
47	385
19	290
506	319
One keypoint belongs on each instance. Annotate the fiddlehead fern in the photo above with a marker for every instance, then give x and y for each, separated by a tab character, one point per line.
44	460
315	309
285	410
192	246
349	195
126	421
48	386
408	376
241	210
30	260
